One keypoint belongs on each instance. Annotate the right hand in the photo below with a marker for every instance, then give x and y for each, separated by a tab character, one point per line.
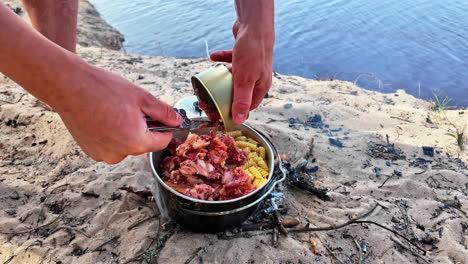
105	114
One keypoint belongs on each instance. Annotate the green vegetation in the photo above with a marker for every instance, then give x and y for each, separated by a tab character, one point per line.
459	135
440	105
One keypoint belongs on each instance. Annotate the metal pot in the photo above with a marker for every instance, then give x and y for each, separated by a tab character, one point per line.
213	216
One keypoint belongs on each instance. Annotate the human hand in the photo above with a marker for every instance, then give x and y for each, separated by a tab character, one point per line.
251	56
105	115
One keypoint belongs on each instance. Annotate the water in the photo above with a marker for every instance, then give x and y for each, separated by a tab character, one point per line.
417	45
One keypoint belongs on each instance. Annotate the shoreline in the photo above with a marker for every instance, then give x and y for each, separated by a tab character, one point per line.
43	175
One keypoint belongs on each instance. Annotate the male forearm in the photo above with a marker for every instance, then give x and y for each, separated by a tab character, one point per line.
34	62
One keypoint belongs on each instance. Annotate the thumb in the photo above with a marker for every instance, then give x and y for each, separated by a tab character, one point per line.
242	99
155	141
222	55
160	111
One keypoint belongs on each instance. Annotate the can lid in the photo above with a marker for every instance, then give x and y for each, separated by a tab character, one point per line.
190	105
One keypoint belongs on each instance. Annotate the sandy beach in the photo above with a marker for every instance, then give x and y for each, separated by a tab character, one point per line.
59	206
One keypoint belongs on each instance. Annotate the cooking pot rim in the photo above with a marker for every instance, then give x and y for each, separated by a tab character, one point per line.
269	149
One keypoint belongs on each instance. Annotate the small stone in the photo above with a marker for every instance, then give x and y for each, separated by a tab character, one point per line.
90	194
377	171
429	151
14	195
397	173
312	169
115	196
140	77
336	142
10	212
388	163
288	106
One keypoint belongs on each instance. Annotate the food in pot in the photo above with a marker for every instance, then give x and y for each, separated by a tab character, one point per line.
215	167
255	166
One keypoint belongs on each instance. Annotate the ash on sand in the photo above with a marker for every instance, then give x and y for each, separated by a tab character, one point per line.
427	204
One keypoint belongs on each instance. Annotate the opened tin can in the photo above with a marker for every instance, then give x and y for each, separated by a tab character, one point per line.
214	86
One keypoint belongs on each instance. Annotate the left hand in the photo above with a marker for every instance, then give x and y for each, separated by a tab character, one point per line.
251	59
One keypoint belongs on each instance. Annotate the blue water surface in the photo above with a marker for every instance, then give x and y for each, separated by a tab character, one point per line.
417	45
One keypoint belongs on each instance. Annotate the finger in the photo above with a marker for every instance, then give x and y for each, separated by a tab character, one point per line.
160	111
259	93
243	89
156	141
222	55
113	158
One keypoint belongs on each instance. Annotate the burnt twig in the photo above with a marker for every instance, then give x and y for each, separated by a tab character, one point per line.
194	254
69	228
356	221
145	194
36	228
275	237
140	222
99	248
410	250
388	178
322	193
359	251
402	119
332	254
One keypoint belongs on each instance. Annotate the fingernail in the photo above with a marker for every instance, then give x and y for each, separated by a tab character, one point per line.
240	118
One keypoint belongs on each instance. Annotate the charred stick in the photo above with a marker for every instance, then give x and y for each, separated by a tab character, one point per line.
69	228
279	223
99	248
388	178
287	223
194	254
357	221
38	227
145	194
410	250
332	254
359	251
323	194
275	235
140	222
390	230
9	259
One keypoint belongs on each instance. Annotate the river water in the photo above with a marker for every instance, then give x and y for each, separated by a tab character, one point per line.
420	46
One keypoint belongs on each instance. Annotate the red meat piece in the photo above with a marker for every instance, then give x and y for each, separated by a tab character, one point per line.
202	192
198	168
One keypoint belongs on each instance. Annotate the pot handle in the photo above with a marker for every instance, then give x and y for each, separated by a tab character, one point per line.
282	170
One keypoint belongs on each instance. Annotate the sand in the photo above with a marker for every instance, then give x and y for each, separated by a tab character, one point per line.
45	218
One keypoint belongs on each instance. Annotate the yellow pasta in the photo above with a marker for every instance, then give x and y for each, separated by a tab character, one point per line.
258	182
263	172
241	138
262	164
252	155
254	171
235	133
243	144
255	166
261	152
252	141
